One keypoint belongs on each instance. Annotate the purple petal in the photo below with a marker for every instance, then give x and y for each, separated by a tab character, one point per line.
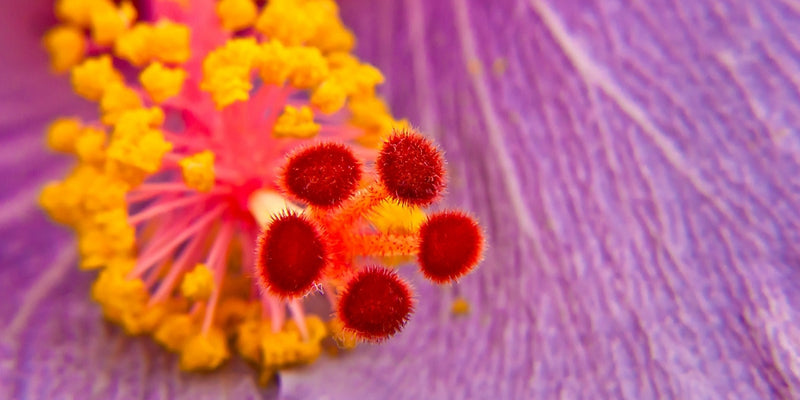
53	341
636	167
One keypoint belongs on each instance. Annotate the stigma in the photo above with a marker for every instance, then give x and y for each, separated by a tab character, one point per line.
246	165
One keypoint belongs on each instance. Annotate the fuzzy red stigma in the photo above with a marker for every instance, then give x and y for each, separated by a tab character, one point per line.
375	304
411	168
451	245
291	256
322	175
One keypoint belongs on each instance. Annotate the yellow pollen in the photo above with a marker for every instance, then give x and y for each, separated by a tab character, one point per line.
344	338
198	283
237	14
308	68
175	331
93	76
66	46
460	306
329	96
275	62
165	41
198	171
117	294
109	22
105	236
78	12
117	99
136	148
162	82
287	21
63	133
90	146
296	123
205	351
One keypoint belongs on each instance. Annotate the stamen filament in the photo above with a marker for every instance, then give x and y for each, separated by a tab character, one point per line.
148	260
158	209
216	261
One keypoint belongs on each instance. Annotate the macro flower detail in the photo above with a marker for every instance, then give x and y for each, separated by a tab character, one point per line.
244	166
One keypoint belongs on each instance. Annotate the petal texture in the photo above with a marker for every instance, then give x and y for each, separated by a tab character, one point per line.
53	341
636	167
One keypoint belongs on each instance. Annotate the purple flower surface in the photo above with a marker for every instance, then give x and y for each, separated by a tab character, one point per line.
634	164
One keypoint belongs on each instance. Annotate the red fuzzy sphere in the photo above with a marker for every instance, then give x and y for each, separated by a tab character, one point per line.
291	256
375	304
411	168
451	245
322	175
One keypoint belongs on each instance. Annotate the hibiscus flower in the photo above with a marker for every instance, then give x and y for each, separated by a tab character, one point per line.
633	166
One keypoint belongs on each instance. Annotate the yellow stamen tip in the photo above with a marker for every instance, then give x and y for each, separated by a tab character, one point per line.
205	351
198	283
198	171
117	99
162	82
109	22
296	123
237	14
175	331
63	133
92	77
66	46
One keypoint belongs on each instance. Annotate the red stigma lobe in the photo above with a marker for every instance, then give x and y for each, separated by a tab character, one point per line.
322	175
291	256
451	245
411	168
375	304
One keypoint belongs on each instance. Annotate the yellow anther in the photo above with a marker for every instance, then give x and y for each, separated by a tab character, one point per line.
372	115
145	320
116	100
276	62
228	85
90	146
166	41
170	42
84	192
460	306
232	312
285	348
309	67
162	82
361	80
105	236
237	14
390	216
344	338
198	171
117	294
134	44
205	351
287	21
93	76
63	133
296	123
66	46
109	22
243	53
121	265
175	331
198	283
330	35
136	149
248	339
329	96
78	12
227	70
